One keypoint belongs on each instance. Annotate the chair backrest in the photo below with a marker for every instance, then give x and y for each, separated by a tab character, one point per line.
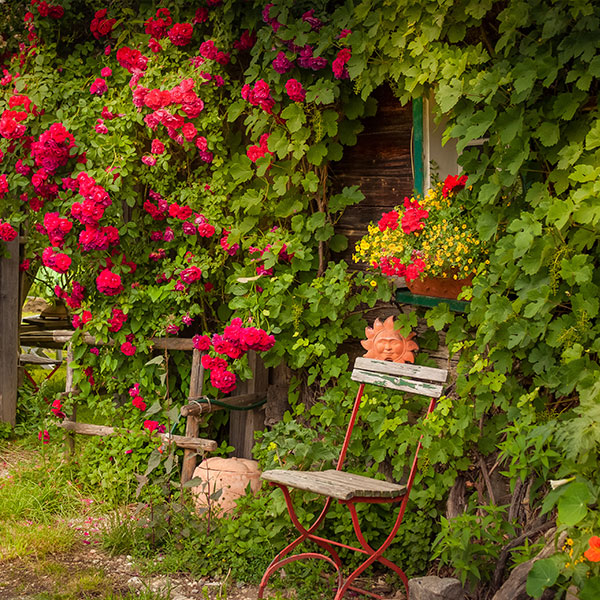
400	376
405	377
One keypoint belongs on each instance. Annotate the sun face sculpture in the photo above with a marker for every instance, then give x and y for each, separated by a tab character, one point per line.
385	343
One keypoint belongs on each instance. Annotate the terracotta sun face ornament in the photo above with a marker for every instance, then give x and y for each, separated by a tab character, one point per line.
385	343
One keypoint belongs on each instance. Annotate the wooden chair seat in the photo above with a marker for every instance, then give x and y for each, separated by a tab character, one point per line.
336	484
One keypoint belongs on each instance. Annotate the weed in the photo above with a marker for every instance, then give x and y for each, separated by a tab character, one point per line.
26	538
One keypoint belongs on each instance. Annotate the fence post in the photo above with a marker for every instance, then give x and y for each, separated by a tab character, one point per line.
9	333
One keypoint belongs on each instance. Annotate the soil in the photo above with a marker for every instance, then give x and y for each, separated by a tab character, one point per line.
88	572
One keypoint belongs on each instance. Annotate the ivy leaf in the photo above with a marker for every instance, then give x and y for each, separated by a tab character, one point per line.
294	117
509	123
241	169
572	505
330	122
439	317
338	243
448	94
347	197
592	139
316	153
548	133
310	183
543	574
576	269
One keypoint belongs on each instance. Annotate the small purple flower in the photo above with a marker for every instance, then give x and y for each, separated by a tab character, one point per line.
188	228
314	22
168	235
281	64
172	329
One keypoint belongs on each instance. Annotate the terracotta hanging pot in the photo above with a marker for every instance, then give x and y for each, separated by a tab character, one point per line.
439	287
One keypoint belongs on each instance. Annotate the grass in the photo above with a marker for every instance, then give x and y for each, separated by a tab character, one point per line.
21	539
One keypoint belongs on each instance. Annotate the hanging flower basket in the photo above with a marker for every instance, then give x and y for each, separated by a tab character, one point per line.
431	241
439	287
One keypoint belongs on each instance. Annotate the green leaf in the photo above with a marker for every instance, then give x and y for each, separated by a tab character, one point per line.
590	589
153	461
338	243
509	123
592	139
548	133
572	505
156	407
157	360
576	269
194	482
543	574
439	316
330	122
235	110
294	117
316	153
241	170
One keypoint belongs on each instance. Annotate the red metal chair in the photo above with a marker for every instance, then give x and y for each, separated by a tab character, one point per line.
350	489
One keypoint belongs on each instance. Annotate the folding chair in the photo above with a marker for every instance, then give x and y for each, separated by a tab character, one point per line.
350	489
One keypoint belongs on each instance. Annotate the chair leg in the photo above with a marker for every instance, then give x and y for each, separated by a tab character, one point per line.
305	533
374	554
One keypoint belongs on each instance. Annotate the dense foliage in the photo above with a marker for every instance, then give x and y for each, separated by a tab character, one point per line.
171	141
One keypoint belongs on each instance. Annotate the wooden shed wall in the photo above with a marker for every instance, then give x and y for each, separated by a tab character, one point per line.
380	164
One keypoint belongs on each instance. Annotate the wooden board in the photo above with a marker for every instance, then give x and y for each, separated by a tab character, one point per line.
401	369
243	424
192	443
397	383
192	426
9	333
380	164
337	484
59	337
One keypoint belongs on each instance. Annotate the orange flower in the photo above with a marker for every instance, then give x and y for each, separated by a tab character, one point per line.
593	553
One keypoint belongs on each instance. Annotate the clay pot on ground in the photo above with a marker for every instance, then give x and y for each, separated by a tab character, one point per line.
231	476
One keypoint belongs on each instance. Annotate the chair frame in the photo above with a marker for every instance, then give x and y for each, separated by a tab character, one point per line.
376	375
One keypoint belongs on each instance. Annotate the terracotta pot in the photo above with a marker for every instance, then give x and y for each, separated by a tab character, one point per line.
230	475
439	287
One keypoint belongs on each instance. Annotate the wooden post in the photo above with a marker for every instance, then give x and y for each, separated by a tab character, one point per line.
192	426
9	333
70	449
243	424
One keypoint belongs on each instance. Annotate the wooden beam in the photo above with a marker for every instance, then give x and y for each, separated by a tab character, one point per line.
183	441
192	426
9	333
194	408
59	337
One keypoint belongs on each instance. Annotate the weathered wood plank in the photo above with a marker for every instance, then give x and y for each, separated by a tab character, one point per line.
192	426
9	333
401	369
195	408
243	424
337	484
62	336
397	383
193	443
